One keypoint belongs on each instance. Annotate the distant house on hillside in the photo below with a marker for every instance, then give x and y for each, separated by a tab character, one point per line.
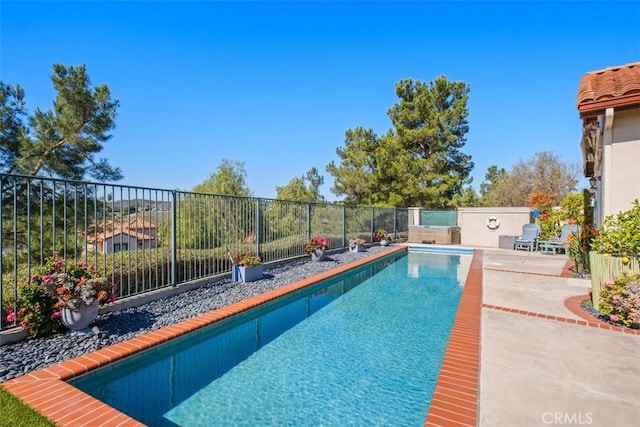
128	234
609	106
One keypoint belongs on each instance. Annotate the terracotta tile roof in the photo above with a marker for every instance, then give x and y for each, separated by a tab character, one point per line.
139	223
612	87
137	228
108	234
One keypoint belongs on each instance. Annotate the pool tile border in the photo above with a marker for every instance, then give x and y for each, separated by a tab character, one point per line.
456	396
47	391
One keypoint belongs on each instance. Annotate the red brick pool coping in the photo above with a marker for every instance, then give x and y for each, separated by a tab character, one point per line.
455	399
574	305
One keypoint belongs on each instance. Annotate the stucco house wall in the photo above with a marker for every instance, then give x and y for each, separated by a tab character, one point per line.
624	174
107	244
135	233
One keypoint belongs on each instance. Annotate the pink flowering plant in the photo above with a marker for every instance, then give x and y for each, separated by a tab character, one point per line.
316	243
36	311
56	285
620	300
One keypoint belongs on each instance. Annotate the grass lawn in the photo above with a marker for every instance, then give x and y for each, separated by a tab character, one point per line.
14	413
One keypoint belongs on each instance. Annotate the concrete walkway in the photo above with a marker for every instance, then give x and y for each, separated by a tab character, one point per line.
537	368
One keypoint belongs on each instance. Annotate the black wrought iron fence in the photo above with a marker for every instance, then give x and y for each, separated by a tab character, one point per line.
149	238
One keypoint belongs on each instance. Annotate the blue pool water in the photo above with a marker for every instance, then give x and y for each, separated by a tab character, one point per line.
363	348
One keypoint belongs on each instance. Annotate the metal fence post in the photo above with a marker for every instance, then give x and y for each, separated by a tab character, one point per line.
344	226
309	220
372	224
258	226
174	240
395	223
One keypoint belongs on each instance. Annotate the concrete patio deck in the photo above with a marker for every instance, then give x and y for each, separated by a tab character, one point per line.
538	367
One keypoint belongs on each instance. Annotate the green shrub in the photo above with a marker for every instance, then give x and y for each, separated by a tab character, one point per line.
137	271
620	234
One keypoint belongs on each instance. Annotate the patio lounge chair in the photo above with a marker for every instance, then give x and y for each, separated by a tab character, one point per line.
558	244
529	238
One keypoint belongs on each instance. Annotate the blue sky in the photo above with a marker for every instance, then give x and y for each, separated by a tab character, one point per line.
276	84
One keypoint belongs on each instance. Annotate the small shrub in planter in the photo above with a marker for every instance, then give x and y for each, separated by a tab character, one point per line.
381	234
356	244
620	300
246	260
620	234
617	249
316	243
247	267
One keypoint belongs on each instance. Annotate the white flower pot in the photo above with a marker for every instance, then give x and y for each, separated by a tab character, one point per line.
81	319
356	248
247	273
317	255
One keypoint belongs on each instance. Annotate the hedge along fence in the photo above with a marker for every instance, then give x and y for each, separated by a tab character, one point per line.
137	272
149	238
604	268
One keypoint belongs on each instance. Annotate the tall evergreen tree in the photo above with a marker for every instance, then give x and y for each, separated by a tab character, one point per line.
419	162
12	128
62	142
492	179
354	176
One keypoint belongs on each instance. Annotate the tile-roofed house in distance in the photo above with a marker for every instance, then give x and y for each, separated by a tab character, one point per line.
127	234
609	105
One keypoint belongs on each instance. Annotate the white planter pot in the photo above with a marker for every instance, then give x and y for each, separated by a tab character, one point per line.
81	319
356	248
317	255
247	273
384	242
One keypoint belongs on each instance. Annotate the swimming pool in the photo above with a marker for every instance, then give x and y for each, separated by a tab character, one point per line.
363	347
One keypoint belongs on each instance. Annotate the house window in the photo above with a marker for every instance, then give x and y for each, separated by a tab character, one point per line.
117	247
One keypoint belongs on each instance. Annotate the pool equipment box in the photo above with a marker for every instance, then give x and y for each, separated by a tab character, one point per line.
506	242
440	235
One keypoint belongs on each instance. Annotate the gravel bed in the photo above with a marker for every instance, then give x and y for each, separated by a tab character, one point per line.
36	353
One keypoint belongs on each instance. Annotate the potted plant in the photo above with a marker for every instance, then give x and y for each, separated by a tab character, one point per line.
61	292
247	267
317	247
356	244
384	237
